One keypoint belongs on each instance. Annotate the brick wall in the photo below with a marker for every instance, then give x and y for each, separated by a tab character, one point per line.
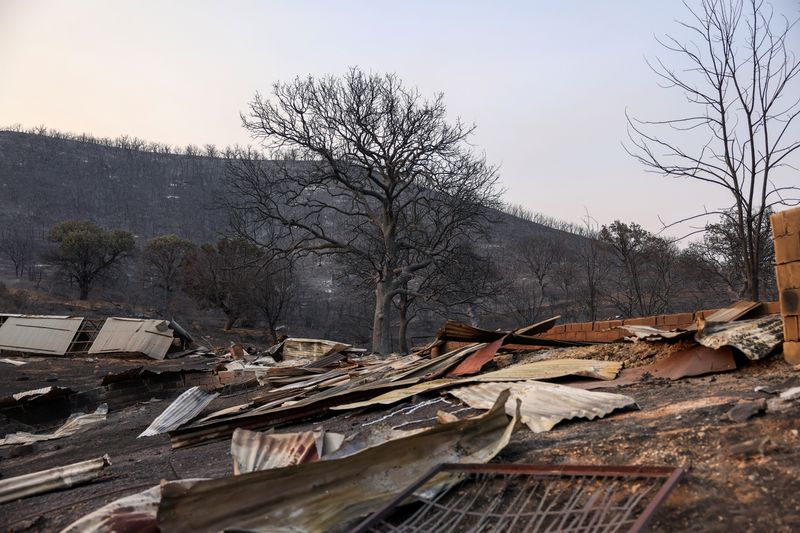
786	234
605	330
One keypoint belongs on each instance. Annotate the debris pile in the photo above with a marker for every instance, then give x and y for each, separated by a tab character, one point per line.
316	435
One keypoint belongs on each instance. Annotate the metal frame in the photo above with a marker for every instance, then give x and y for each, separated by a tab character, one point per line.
669	475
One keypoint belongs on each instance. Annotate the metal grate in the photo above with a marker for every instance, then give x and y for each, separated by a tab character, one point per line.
577	499
84	337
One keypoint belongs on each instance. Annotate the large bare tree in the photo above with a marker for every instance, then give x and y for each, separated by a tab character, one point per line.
373	170
740	78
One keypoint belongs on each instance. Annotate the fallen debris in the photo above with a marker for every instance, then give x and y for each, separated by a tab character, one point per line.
549	369
136	512
187	406
15	362
743	411
532	498
755	338
317	496
152	338
253	450
543	405
76	423
694	361
53	479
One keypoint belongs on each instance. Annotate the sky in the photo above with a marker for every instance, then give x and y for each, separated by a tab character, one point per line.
547	83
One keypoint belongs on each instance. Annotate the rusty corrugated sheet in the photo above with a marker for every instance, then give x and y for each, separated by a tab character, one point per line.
755	338
254	450
51	335
187	406
453	330
133	513
133	335
543	405
318	496
694	361
52	479
549	369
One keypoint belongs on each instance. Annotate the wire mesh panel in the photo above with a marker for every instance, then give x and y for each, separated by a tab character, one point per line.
532	498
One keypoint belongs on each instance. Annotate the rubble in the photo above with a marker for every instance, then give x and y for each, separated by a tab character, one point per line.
311	434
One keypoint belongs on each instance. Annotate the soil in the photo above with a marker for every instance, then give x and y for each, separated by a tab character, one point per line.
739	476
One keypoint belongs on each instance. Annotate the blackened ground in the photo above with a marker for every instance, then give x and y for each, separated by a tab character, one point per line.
729	486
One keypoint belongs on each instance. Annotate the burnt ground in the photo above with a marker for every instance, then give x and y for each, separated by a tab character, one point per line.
740	476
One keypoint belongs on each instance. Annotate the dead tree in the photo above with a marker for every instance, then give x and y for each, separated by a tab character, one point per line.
382	171
164	255
17	245
740	79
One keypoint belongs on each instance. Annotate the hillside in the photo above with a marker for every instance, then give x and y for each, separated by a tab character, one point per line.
45	180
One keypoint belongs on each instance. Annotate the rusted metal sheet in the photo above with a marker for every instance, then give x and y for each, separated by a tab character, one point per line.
543	405
453	330
254	450
134	513
52	479
520	497
755	338
318	496
187	406
475	361
51	335
133	335
548	369
694	361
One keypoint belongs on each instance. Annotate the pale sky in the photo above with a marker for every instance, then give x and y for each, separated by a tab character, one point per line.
547	83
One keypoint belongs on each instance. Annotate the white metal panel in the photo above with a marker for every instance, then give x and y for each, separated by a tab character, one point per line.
39	334
150	337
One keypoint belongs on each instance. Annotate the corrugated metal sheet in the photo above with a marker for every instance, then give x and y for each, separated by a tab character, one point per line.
311	348
322	495
755	338
136	512
76	423
50	335
554	368
55	478
537	370
187	406
254	450
650	333
149	337
543	405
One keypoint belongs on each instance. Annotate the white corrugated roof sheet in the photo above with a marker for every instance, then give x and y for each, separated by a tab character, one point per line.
149	337
50	335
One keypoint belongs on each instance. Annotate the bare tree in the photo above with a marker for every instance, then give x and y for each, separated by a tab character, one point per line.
272	293
740	79
223	276
17	245
643	278
534	261
593	265
383	173
164	256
